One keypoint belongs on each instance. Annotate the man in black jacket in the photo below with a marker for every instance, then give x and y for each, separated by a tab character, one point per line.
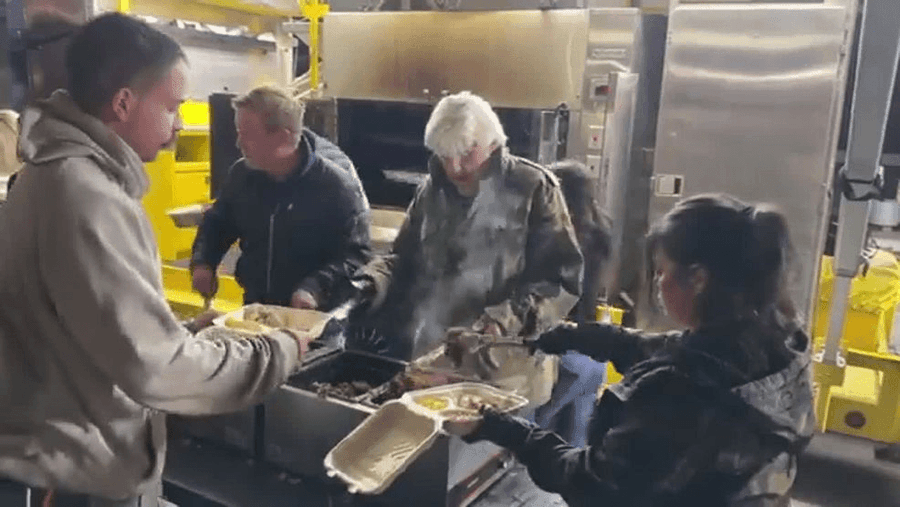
295	204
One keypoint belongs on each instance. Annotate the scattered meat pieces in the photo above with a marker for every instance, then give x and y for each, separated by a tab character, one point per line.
345	390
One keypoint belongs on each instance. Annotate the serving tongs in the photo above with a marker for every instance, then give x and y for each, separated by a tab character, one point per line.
464	342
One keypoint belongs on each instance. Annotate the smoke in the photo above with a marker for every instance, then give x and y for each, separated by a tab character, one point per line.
473	256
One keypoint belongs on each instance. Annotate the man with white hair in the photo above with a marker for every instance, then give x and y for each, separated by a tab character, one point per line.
296	205
487	242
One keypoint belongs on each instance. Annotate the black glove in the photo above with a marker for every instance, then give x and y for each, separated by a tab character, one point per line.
501	429
560	339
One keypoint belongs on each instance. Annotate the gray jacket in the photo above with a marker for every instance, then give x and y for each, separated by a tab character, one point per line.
90	353
509	253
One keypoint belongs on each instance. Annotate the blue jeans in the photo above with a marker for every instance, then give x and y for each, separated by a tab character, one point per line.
579	379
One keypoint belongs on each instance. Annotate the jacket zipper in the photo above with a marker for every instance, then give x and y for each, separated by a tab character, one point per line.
271	249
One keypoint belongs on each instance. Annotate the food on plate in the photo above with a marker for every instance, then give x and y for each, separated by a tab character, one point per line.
265	316
435	403
244	325
472	402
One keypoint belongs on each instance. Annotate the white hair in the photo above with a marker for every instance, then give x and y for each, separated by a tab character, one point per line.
461	121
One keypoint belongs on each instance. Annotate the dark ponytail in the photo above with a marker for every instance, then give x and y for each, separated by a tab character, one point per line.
745	249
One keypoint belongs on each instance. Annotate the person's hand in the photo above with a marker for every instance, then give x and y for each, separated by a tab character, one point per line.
204	280
302	340
304	300
458	342
462	426
557	340
202	321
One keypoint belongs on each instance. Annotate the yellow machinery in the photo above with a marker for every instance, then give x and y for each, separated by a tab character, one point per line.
181	177
614	316
862	397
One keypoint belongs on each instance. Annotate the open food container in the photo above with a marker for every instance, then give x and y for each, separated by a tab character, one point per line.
188	216
380	449
243	430
258	319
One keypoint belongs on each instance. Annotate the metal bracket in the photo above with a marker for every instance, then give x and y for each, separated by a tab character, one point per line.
871	188
838	359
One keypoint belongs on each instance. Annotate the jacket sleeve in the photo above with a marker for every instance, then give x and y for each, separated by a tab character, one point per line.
352	254
218	229
328	150
663	438
98	259
380	271
551	282
623	346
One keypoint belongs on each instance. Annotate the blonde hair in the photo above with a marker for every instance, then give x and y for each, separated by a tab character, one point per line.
276	106
461	121
9	139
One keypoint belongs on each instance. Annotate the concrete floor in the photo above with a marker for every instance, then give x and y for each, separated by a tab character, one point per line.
840	471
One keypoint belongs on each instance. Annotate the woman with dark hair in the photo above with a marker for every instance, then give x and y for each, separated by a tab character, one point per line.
713	415
571	404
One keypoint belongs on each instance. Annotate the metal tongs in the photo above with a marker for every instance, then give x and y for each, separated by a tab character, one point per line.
463	342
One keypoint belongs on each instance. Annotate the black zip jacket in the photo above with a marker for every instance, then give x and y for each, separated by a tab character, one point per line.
713	418
308	232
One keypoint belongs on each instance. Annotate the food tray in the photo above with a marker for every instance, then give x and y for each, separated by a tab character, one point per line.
464	399
363	459
374	454
310	322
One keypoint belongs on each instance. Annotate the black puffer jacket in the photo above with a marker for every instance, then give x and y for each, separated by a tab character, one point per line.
309	232
714	418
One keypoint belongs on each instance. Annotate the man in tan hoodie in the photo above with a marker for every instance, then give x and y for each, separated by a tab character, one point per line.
90	354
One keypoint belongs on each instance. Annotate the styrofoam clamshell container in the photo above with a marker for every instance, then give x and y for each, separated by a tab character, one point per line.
380	449
310	322
188	216
464	398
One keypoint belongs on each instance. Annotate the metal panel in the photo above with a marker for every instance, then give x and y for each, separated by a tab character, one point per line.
750	99
615	163
418	56
613	45
223	64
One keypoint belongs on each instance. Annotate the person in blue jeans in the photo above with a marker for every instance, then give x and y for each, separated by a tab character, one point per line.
572	401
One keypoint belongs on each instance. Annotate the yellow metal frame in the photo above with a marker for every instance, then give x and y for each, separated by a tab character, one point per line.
615	316
314	10
861	398
257	18
180	177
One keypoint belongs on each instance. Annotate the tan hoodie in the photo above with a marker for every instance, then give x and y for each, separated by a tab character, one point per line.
90	354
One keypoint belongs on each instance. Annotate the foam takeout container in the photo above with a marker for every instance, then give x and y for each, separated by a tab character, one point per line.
310	322
380	449
188	216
